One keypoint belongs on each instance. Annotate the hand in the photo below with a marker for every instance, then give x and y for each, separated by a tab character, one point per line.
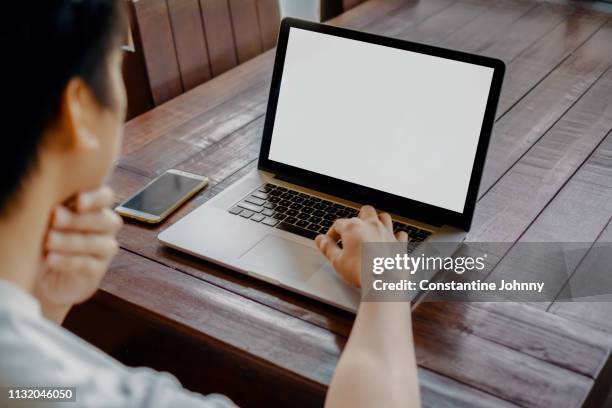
79	247
368	227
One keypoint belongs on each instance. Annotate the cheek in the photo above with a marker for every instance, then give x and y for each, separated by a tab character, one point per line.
109	136
111	128
114	120
113	136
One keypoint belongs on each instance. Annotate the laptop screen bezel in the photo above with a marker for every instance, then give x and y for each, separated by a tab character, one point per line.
354	192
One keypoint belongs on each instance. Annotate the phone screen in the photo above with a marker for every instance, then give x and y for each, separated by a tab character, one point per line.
162	194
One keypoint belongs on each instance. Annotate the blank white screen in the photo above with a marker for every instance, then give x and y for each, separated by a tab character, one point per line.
393	120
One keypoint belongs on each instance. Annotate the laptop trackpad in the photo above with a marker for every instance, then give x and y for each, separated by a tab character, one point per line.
283	259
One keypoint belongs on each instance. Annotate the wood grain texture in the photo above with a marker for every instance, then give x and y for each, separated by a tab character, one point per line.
587	195
198	133
521	127
245	24
220	37
135	76
496	21
443	24
519	327
508	208
512	376
406	16
556	158
526	30
595	309
157	41
190	42
268	16
544	56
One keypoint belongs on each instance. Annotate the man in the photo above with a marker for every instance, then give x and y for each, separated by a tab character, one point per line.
66	106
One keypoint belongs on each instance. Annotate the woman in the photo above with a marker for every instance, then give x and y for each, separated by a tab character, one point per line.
65	113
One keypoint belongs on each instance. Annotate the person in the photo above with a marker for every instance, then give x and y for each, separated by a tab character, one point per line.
64	109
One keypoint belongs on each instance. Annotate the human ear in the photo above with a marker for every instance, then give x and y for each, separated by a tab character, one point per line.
76	113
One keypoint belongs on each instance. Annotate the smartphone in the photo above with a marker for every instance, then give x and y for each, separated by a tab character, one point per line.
155	201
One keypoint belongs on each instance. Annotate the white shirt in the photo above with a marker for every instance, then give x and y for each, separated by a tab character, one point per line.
37	352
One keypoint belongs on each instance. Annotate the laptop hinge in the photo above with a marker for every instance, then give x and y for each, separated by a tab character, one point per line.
328	190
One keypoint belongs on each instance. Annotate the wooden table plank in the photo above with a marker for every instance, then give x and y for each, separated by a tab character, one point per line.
438	391
573	143
526	330
508	208
496	369
467	17
198	133
525	191
595	311
490	26
585	205
520	35
260	332
541	108
443	24
407	16
540	59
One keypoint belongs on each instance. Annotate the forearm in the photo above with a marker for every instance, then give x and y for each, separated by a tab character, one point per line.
378	366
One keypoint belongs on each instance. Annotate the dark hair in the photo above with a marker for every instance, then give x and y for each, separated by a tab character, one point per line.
44	45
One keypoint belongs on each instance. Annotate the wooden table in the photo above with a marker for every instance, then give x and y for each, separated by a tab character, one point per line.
548	178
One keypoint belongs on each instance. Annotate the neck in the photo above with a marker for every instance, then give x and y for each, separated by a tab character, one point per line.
23	232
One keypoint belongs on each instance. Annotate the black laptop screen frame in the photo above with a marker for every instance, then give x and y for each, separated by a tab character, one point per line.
385	201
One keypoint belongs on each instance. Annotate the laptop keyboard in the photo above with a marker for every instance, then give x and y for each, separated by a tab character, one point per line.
303	214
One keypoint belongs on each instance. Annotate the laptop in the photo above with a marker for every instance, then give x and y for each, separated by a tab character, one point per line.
352	119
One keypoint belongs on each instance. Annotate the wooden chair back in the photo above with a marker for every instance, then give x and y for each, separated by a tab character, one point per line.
179	44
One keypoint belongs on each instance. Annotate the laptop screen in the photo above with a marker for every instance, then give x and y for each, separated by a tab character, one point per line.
396	121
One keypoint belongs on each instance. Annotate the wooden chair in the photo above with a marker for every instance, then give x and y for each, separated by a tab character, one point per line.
179	44
331	8
349	4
